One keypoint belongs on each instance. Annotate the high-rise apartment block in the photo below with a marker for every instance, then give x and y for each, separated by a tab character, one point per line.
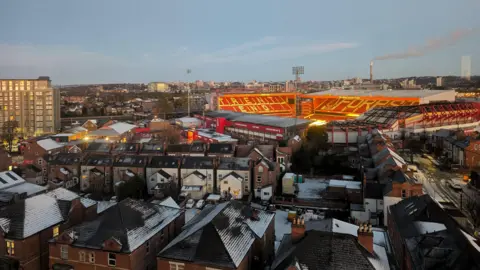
32	103
466	68
439	81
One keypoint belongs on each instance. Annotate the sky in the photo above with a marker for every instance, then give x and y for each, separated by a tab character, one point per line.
110	41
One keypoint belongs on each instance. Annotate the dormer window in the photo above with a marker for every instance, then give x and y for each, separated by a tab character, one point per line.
112	259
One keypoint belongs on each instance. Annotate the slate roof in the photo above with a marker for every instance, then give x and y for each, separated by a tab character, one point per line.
221	148
425	227
131	161
164	162
374	190
220	235
197	147
178	148
66	159
231	163
130	222
126	147
98	147
98	160
326	250
32	215
156	148
197	163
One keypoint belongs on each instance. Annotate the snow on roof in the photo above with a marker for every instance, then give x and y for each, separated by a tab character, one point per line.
26	187
190	213
104	205
311	188
170	203
282	226
425	227
63	134
9	179
346	184
213	197
122	127
49	144
63	194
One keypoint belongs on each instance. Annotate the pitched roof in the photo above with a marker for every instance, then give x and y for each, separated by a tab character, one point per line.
221	148
220	235
131	161
126	147
164	162
98	160
197	163
98	147
30	216
131	222
231	163
153	148
49	144
66	159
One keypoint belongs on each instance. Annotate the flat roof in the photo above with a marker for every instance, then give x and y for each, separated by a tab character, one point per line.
381	93
259	119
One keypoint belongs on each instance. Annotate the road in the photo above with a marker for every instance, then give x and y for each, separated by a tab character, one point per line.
436	184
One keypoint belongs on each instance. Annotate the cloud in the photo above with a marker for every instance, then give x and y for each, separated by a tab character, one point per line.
269	49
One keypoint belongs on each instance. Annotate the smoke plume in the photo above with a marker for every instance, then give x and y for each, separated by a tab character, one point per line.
430	45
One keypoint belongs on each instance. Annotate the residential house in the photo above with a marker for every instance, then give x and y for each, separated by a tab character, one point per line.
198	172
28	225
373	203
36	150
233	177
163	174
128	235
90	125
126	149
64	171
284	157
98	148
12	183
33	174
128	167
153	149
424	236
265	174
240	236
196	149
79	132
96	174
221	150
256	152
332	244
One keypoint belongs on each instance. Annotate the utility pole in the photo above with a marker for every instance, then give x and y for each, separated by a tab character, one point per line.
188	93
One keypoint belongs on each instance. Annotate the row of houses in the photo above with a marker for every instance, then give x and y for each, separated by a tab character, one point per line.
236	171
457	148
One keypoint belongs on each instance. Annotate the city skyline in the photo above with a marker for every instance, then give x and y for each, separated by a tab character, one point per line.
118	41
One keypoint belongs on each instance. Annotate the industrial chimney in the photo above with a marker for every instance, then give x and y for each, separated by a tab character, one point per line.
371	71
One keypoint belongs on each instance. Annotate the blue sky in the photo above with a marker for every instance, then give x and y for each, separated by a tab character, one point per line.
101	41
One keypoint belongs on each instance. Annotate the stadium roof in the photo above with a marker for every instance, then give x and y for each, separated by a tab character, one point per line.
259	119
381	93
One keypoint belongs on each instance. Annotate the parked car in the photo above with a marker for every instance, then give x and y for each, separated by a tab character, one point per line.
454	185
200	204
190	203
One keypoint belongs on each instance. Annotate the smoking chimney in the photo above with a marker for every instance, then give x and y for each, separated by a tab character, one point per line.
371	71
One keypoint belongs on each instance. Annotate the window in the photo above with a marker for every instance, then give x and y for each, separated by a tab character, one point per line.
404	193
112	259
281	160
266	193
147	246
177	266
64	252
259	178
56	231
220	176
10	247
81	256
225	182
91	257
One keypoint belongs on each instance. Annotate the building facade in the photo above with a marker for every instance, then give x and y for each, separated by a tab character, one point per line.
33	103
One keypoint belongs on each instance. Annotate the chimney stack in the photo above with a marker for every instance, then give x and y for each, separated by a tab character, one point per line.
371	71
298	229
365	236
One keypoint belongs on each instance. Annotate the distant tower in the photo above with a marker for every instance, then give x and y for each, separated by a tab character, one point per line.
439	81
466	67
371	71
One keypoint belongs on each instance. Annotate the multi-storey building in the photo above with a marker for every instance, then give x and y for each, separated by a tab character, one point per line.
32	103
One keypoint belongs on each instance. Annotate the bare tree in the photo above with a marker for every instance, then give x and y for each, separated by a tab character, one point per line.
9	133
164	106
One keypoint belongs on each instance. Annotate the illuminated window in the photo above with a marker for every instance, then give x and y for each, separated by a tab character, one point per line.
56	231
112	259
10	247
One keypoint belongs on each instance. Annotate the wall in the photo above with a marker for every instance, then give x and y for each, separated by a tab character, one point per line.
151	171
245	174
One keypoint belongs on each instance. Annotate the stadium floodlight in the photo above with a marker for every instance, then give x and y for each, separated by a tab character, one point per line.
298	70
188	93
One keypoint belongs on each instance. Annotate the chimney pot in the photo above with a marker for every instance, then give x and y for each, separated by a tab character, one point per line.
365	236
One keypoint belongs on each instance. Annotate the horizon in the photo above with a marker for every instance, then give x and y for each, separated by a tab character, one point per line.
123	42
